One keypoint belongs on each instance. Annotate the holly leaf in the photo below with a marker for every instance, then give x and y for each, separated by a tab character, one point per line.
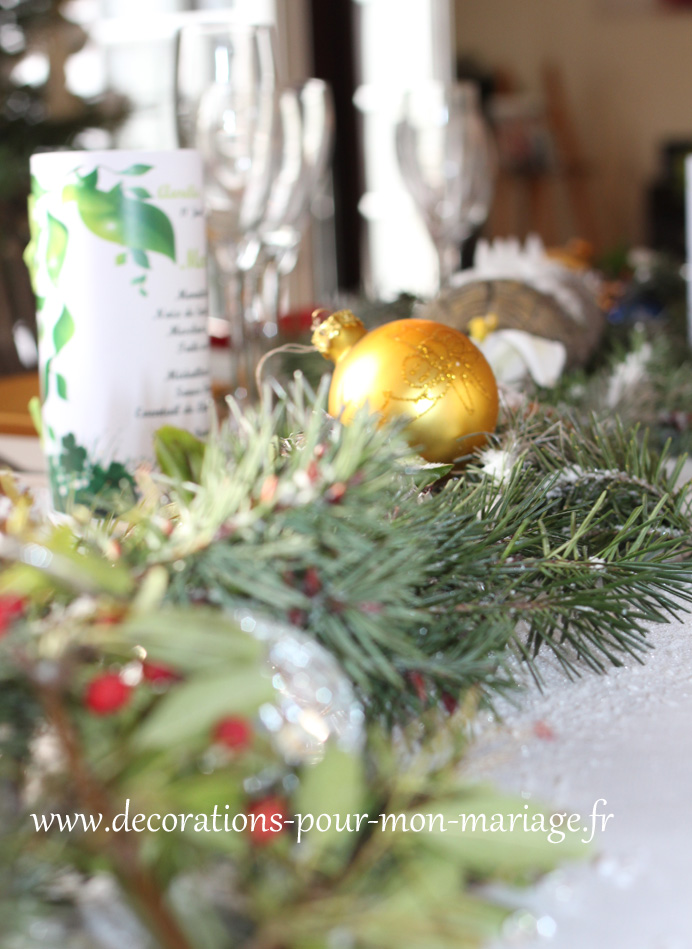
335	786
192	708
180	455
191	639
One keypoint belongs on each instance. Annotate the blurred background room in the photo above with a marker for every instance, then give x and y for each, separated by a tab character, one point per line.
586	102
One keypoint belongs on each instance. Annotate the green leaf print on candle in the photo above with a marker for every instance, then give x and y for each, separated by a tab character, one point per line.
63	331
57	247
130	222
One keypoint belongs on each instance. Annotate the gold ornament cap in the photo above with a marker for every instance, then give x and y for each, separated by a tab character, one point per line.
337	334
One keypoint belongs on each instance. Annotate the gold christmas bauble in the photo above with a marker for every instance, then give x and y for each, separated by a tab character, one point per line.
429	373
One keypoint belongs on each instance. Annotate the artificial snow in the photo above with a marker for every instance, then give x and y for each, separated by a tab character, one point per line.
625	737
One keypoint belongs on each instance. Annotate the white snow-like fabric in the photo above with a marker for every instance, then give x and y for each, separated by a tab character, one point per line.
623	738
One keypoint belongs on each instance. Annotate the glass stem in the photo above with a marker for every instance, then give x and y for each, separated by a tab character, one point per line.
448	260
241	382
271	289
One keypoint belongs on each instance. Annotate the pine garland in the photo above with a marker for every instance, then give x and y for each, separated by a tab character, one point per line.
567	534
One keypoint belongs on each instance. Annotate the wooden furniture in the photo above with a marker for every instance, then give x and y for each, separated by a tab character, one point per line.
15	393
553	198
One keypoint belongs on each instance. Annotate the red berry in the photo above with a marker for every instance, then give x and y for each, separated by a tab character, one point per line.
267	819
156	673
269	489
311	582
298	617
106	694
313	471
450	703
370	607
11	608
418	683
335	493
233	732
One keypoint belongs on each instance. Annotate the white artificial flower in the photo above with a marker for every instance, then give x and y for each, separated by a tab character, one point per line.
514	354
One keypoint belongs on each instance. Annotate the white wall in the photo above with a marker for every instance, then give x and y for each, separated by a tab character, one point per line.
628	77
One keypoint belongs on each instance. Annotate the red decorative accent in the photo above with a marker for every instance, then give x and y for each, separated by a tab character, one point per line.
267	817
418	683
234	732
450	702
543	730
311	582
335	493
369	607
268	489
11	608
298	617
107	694
313	471
157	673
297	322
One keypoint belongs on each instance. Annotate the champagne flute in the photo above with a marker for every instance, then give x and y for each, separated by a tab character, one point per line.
447	161
307	121
226	108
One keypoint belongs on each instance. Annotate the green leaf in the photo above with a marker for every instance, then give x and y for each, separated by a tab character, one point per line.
140	193
180	455
36	189
89	181
63	330
45	379
134	224
137	280
193	638
192	708
62	386
515	849
34	408
120	259
140	257
93	568
137	170
57	247
73	457
336	786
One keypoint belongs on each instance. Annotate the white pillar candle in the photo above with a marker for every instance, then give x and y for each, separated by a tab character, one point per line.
118	265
